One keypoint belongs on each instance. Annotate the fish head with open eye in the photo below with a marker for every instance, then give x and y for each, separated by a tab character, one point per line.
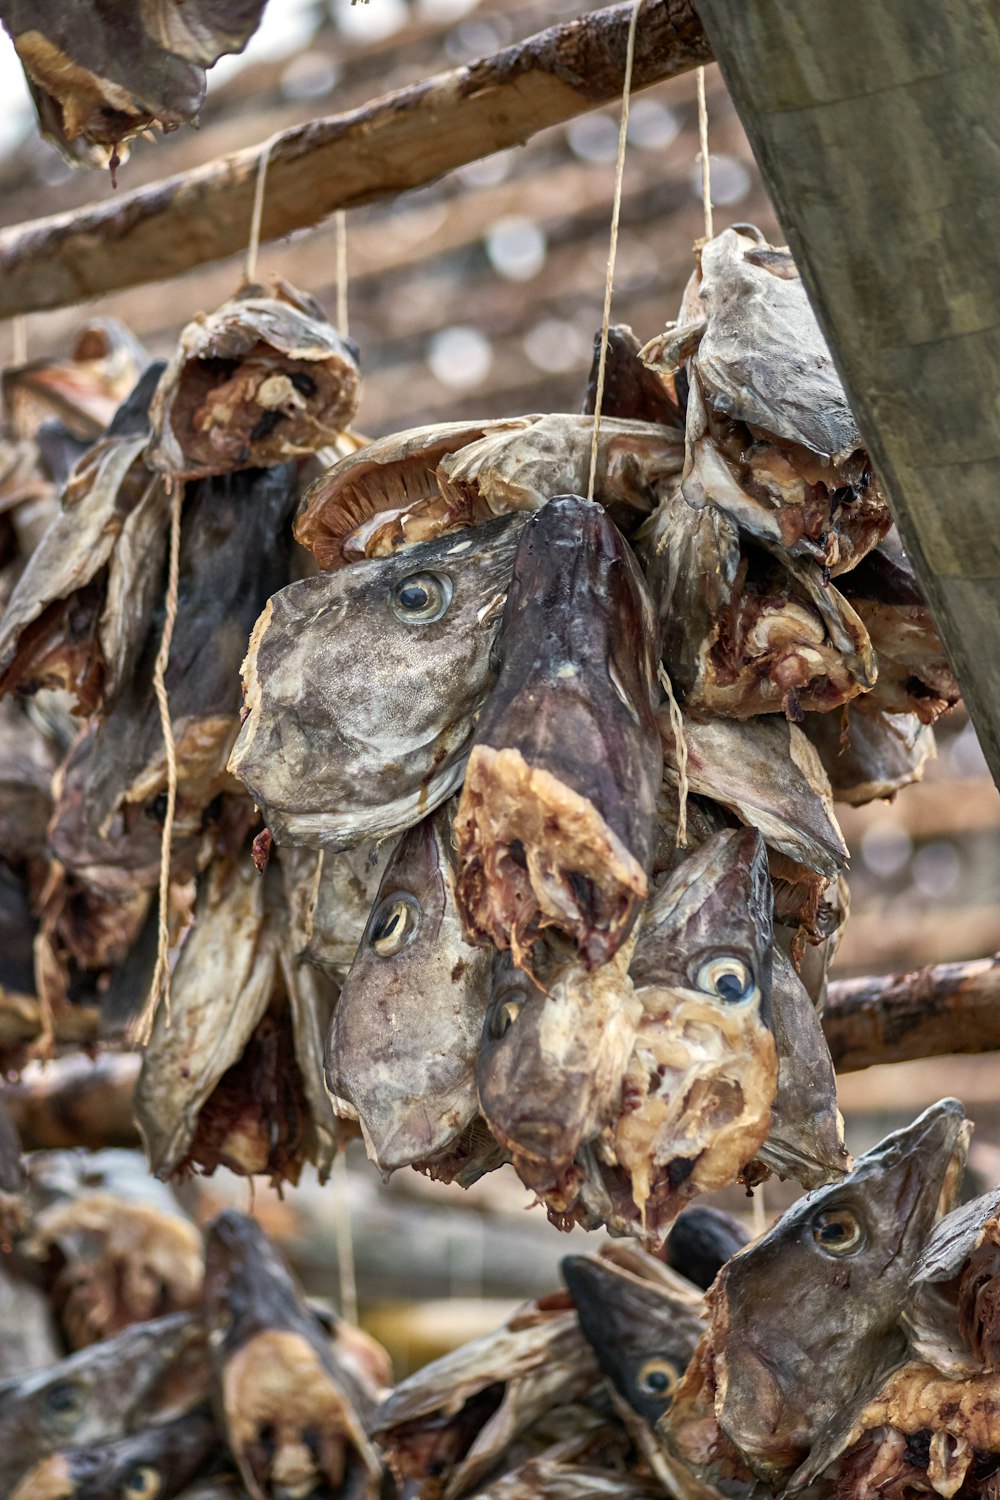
362	687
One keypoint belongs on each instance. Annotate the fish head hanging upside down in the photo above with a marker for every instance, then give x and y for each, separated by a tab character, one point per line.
703	1071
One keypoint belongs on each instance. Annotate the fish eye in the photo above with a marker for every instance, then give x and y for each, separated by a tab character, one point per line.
728	978
503	1018
64	1401
837	1231
143	1483
421	598
657	1377
393	924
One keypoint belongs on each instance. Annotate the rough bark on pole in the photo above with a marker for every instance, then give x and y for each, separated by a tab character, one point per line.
401	141
948	1008
876	129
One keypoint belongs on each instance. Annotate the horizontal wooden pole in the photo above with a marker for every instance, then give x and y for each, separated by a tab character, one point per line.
947	1008
401	141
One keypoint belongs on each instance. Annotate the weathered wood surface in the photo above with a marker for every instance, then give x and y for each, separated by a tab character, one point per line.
75	1101
948	1008
401	141
877	132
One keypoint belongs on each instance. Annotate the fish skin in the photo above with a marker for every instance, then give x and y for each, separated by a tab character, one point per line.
702	1077
950	1315
797	1335
552	1080
170	1457
401	1048
566	762
150	1372
274	1366
806	1138
643	1332
356	722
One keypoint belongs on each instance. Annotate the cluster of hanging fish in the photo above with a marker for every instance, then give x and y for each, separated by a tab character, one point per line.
851	1351
550	869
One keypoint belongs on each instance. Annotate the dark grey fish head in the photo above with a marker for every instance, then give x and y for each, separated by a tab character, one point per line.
402	1043
362	687
805	1319
247	1284
152	1465
709	928
95	1395
642	1334
701	1241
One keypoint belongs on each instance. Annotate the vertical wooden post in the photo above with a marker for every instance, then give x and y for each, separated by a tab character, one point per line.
876	125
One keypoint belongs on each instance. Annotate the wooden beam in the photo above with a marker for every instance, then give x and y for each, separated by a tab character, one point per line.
933	1012
401	141
875	128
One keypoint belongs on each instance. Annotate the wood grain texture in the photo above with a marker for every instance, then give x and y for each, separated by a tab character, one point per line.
877	132
398	142
932	1012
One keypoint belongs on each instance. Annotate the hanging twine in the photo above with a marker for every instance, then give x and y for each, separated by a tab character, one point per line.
345	1241
160	987
340	228
681	752
706	162
253	244
613	245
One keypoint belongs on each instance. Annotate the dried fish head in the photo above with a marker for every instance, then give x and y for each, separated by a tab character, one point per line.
82	391
401	1051
262	379
388	494
362	688
551	1062
293	1410
770	435
914	674
115	1262
444	1428
951	1312
631	388
701	1241
643	1331
804	1320
99	78
520	470
703	1073
870	754
345	886
157	1463
556	822
150	1372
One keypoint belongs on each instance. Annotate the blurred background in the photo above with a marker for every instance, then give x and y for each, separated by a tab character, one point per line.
479	296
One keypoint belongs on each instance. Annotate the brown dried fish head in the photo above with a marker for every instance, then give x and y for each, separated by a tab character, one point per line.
386	495
951	1312
552	1059
293	1415
643	1332
805	1319
262	379
556	822
362	688
401	1049
115	1263
701	1082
